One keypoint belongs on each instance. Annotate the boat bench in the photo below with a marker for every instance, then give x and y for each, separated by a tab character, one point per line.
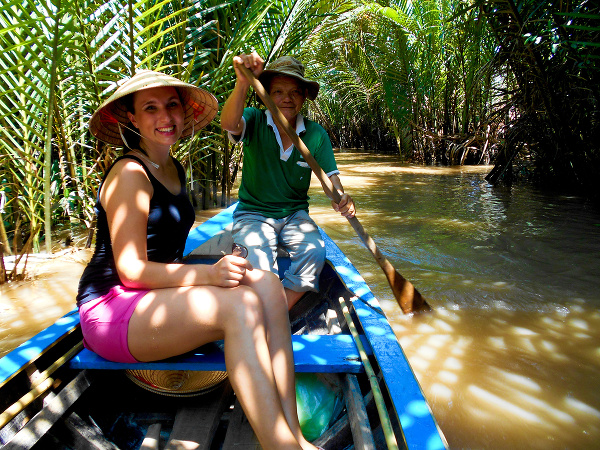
312	353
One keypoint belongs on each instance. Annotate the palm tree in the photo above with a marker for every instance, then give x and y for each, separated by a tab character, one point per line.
407	76
430	79
551	51
61	58
58	61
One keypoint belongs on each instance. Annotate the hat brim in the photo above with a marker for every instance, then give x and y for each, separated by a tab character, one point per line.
312	87
109	120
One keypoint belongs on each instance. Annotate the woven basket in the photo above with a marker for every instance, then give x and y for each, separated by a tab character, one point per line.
177	383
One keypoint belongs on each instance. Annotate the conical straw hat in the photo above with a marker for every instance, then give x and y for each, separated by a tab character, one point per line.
109	120
177	383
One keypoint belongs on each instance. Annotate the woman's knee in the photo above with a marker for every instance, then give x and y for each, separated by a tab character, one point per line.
247	308
262	279
270	279
269	287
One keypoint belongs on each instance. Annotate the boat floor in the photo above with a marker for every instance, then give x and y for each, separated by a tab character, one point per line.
115	414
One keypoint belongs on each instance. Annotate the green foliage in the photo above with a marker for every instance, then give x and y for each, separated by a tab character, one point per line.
404	76
60	58
551	50
436	80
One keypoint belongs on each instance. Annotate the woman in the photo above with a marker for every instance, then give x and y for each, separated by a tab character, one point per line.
137	303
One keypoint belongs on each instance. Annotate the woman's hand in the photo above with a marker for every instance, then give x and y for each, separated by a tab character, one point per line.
229	271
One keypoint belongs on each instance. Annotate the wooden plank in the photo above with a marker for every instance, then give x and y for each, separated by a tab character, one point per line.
303	309
336	436
312	353
357	414
17	360
81	435
152	438
195	426
11	428
333	323
419	428
13	410
240	435
339	435
35	429
55	444
42	383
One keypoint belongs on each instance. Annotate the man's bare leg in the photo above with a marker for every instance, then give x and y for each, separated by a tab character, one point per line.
292	297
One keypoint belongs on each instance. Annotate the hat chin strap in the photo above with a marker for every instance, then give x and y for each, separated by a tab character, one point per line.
123	137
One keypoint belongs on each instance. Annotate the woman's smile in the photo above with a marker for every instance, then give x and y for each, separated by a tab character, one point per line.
167	130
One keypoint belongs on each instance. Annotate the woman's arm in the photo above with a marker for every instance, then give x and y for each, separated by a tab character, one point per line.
125	196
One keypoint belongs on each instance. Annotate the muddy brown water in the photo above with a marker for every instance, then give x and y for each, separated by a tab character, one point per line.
510	357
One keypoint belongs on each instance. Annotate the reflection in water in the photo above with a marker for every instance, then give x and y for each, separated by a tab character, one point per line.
510	357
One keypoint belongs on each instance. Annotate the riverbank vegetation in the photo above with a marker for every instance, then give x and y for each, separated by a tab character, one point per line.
513	83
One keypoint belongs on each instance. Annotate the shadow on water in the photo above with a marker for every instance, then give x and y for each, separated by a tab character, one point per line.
497	378
510	357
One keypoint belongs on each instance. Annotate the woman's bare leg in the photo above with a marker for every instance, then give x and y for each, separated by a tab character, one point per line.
271	291
169	322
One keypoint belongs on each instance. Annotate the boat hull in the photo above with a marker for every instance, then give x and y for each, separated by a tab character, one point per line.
53	397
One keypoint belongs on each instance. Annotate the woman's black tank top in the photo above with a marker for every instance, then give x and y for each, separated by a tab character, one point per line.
169	221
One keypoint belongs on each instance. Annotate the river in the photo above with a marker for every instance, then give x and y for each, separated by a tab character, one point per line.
510	357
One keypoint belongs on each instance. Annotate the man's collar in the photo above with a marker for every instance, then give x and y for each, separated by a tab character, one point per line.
300	127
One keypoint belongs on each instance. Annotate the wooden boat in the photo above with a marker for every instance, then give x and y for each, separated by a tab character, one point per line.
55	394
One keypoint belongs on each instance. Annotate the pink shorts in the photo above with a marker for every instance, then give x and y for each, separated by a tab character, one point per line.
104	323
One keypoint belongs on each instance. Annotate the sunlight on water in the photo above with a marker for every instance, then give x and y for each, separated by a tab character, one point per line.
510	358
488	374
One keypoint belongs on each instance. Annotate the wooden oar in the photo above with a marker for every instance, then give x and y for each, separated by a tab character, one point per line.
407	296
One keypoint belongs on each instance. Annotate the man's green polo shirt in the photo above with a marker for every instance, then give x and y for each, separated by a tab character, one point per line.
273	183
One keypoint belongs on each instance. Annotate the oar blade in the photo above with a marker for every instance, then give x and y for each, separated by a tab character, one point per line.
407	296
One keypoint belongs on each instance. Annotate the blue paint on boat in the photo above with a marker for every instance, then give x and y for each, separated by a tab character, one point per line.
418	425
312	353
208	229
13	362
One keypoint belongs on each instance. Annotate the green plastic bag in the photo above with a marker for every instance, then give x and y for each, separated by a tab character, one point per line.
316	400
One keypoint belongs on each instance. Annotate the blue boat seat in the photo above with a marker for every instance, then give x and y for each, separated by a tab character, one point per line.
312	353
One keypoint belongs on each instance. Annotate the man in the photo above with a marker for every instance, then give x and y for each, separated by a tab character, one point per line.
273	195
